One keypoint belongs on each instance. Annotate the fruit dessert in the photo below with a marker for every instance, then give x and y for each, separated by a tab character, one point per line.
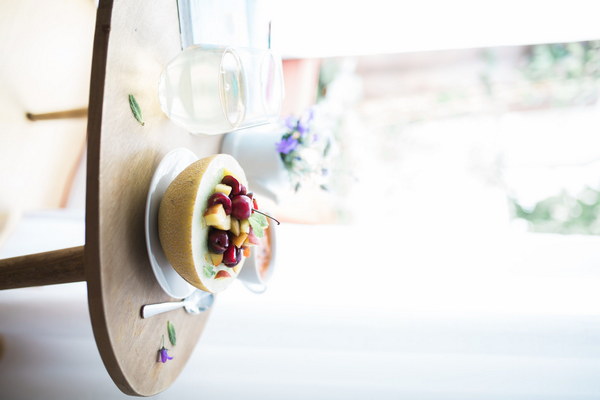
264	254
207	222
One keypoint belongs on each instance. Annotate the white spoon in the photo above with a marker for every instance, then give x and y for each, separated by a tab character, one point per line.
195	303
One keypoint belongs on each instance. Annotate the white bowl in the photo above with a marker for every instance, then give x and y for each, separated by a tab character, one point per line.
256	274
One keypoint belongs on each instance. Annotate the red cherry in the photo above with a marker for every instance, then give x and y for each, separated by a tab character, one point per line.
220	198
236	186
232	256
218	241
241	207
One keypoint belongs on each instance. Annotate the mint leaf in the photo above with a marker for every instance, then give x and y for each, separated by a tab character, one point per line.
136	110
258	222
209	271
171	330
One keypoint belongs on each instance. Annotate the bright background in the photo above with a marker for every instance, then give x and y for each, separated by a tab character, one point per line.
422	283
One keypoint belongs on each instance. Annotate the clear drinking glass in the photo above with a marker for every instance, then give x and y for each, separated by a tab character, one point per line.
217	89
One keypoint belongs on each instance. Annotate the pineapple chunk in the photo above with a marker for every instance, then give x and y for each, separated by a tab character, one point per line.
237	268
223	188
245	226
235	226
238	241
215	216
216	258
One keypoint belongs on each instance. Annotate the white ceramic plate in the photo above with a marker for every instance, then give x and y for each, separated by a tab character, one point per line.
170	166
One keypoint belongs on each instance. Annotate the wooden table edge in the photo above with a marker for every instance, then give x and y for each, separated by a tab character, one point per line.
92	216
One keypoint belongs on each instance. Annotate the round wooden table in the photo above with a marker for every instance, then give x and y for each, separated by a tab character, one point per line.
133	41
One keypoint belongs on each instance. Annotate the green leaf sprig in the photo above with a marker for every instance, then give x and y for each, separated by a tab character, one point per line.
136	110
171	331
209	271
259	223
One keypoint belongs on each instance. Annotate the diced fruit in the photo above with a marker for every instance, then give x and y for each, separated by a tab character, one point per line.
215	216
254	203
245	226
235	226
222	274
227	213
246	251
236	186
251	240
216	258
232	256
237	268
220	198
238	241
241	207
218	241
223	188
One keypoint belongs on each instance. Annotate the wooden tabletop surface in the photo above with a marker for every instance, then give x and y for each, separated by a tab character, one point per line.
133	41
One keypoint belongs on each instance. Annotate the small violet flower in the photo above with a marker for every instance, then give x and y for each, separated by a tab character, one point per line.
310	114
303	127
291	122
287	145
162	353
305	121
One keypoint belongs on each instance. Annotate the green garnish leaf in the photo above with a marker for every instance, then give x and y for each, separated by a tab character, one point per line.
259	223
171	330
136	110
209	271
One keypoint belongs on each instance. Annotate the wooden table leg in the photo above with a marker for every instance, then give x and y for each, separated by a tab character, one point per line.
76	113
49	268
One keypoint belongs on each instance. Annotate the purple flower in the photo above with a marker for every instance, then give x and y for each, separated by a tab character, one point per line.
291	122
303	126
304	122
286	145
164	356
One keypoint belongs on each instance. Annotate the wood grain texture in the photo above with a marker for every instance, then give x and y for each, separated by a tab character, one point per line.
75	113
133	41
49	268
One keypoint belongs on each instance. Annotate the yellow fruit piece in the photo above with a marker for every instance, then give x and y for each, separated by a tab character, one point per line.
238	241
235	226
237	268
216	258
244	226
215	216
223	188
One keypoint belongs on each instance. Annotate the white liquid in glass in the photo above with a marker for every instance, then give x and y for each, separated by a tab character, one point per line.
203	90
